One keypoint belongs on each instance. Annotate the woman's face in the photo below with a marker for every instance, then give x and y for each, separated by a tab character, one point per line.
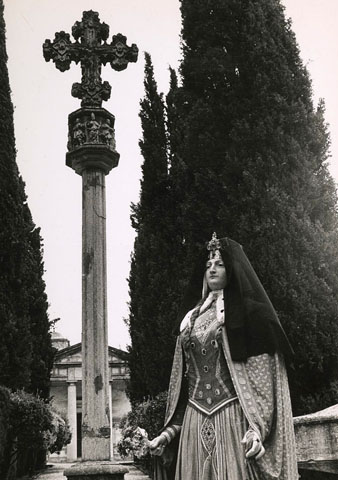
215	274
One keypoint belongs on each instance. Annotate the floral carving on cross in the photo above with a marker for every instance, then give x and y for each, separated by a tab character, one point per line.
92	51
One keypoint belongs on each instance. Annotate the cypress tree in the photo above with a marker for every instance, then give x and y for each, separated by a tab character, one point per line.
24	341
42	351
14	323
255	154
149	281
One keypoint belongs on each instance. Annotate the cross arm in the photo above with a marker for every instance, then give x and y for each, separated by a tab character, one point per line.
121	54
62	51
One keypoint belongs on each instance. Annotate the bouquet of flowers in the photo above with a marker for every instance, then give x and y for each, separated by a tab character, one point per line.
135	441
140	442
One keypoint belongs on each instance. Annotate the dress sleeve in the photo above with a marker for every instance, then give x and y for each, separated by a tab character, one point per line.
175	425
255	384
262	387
262	378
271	405
177	395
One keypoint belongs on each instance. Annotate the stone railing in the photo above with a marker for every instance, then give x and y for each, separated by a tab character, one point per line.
317	440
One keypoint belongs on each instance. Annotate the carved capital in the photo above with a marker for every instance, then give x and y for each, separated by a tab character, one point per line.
91	140
91	126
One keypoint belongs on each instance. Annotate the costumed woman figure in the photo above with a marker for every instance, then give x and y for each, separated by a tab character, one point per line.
228	414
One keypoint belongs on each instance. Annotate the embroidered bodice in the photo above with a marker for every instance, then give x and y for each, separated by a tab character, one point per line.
210	384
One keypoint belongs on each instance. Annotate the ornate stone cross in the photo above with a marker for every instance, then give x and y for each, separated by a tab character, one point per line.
91	50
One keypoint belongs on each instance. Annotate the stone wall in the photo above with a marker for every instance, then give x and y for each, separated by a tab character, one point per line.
317	440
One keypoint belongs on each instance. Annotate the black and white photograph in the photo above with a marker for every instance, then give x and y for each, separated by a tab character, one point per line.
168	240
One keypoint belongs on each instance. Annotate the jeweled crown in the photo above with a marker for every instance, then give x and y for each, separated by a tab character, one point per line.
214	247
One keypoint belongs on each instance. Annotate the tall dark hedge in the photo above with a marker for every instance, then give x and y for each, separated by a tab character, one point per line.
25	344
151	281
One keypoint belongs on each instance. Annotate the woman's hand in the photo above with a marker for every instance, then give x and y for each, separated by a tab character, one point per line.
253	445
157	445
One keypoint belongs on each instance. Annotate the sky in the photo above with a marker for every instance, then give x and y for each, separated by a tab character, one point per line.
42	100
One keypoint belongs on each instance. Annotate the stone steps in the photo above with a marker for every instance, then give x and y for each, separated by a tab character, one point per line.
135	474
55	472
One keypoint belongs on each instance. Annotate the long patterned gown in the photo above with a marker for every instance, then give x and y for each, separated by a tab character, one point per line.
226	399
213	424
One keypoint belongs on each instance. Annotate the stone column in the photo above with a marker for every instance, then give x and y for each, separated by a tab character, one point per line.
72	419
93	159
112	436
95	385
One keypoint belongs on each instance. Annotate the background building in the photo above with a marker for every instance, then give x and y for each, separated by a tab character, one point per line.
66	391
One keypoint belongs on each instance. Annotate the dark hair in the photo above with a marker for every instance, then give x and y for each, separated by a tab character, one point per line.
196	313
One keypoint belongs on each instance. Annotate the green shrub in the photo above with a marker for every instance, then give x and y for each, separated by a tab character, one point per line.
62	435
34	428
31	421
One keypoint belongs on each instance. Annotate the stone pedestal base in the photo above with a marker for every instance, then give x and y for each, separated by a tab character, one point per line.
96	471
